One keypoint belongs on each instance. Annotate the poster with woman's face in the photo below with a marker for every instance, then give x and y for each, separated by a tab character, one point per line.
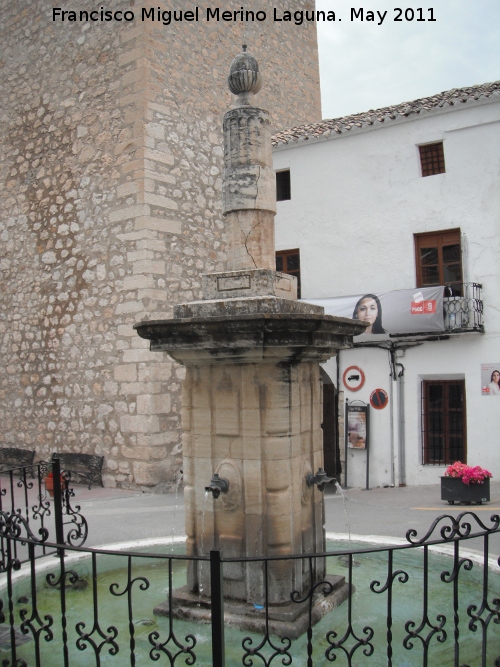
490	379
356	427
396	312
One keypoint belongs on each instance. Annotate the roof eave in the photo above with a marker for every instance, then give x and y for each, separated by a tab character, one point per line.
388	122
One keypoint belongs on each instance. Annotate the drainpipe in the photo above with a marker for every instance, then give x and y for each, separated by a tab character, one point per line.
401	439
337	429
392	367
338	372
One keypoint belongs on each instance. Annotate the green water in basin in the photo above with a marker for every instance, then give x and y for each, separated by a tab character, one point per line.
368	609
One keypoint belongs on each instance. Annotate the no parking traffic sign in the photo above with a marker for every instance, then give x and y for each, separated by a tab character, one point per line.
379	399
353	378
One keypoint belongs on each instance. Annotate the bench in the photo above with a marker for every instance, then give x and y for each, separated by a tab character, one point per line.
14	457
85	468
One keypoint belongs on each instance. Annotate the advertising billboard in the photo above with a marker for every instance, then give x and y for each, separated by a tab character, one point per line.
418	310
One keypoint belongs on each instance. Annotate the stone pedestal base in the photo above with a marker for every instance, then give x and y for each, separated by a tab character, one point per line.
286	620
251	413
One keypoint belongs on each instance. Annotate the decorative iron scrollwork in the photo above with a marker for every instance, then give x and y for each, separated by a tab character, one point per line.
171	643
377	587
92	638
78	531
434	629
449	577
415	632
492	613
55	581
326	588
350	634
486	613
454	528
33	623
11	526
257	651
114	590
160	648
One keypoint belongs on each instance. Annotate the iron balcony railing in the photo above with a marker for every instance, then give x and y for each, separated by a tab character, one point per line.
463	313
92	607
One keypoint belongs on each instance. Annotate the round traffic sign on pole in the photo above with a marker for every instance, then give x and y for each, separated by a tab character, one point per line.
353	378
379	399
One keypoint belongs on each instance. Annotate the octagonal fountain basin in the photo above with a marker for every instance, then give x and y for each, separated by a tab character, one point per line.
109	620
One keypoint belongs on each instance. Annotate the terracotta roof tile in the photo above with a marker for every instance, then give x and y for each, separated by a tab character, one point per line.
373	116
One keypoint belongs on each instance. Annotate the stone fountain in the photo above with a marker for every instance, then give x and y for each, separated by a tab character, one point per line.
251	401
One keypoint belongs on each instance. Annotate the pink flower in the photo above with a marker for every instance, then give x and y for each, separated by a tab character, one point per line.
468	474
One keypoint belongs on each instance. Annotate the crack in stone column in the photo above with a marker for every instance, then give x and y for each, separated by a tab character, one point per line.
247	236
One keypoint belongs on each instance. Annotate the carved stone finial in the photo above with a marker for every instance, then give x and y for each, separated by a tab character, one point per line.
244	77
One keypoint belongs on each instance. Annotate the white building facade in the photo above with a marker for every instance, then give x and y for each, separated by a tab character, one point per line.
399	199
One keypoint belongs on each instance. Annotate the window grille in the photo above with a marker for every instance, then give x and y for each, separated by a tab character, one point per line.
432	159
283	190
443	422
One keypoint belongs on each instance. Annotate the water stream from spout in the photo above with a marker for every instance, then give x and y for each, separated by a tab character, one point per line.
258	536
205	498
177	486
346	514
355	563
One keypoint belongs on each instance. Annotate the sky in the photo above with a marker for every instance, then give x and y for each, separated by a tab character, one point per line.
365	66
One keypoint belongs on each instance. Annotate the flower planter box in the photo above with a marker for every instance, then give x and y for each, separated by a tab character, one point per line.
455	491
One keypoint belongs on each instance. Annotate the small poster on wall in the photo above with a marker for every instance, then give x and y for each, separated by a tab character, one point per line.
356	426
490	379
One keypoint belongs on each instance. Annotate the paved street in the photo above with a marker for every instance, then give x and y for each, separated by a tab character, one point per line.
116	515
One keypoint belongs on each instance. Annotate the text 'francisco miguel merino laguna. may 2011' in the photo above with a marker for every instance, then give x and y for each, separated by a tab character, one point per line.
242	15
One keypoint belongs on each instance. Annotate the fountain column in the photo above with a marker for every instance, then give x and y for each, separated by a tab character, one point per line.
252	404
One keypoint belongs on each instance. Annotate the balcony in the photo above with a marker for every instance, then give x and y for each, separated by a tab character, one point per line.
464	313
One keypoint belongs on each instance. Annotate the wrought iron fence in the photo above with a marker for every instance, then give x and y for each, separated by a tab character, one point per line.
27	511
465	312
95	607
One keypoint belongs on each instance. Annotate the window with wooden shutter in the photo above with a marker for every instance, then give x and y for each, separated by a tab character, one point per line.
439	260
288	261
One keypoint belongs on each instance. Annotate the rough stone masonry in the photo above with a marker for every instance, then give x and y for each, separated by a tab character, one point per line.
110	210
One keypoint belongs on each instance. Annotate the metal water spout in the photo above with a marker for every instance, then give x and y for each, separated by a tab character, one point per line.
321	479
217	486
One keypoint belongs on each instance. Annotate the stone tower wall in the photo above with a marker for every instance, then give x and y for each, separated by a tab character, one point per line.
110	208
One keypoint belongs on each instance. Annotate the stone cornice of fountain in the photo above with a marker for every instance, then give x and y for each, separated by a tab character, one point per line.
247	337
